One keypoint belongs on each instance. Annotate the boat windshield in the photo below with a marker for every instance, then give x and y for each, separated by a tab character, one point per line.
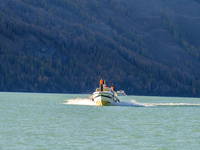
105	89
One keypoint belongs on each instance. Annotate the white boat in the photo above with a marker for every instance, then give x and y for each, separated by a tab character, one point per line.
104	96
121	93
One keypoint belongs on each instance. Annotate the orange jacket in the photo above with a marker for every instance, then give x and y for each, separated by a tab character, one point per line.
112	88
101	81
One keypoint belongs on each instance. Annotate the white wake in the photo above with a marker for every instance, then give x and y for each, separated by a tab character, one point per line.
130	103
133	103
172	104
88	101
80	101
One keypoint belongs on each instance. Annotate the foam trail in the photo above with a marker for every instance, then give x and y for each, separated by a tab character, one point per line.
177	104
80	101
131	103
169	104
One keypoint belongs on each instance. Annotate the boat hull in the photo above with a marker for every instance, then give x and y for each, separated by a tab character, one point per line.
103	99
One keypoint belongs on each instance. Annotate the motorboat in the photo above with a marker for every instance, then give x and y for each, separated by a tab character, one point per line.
104	95
121	93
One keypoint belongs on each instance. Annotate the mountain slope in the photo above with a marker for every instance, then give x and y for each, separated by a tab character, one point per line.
68	46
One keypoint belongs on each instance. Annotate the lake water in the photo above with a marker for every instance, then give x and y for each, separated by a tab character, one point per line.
30	121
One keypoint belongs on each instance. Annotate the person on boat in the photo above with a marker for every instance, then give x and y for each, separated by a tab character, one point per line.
101	81
101	84
112	87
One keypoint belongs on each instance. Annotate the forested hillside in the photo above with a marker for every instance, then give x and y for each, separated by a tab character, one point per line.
67	46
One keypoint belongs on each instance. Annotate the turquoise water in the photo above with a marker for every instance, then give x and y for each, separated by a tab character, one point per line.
65	121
